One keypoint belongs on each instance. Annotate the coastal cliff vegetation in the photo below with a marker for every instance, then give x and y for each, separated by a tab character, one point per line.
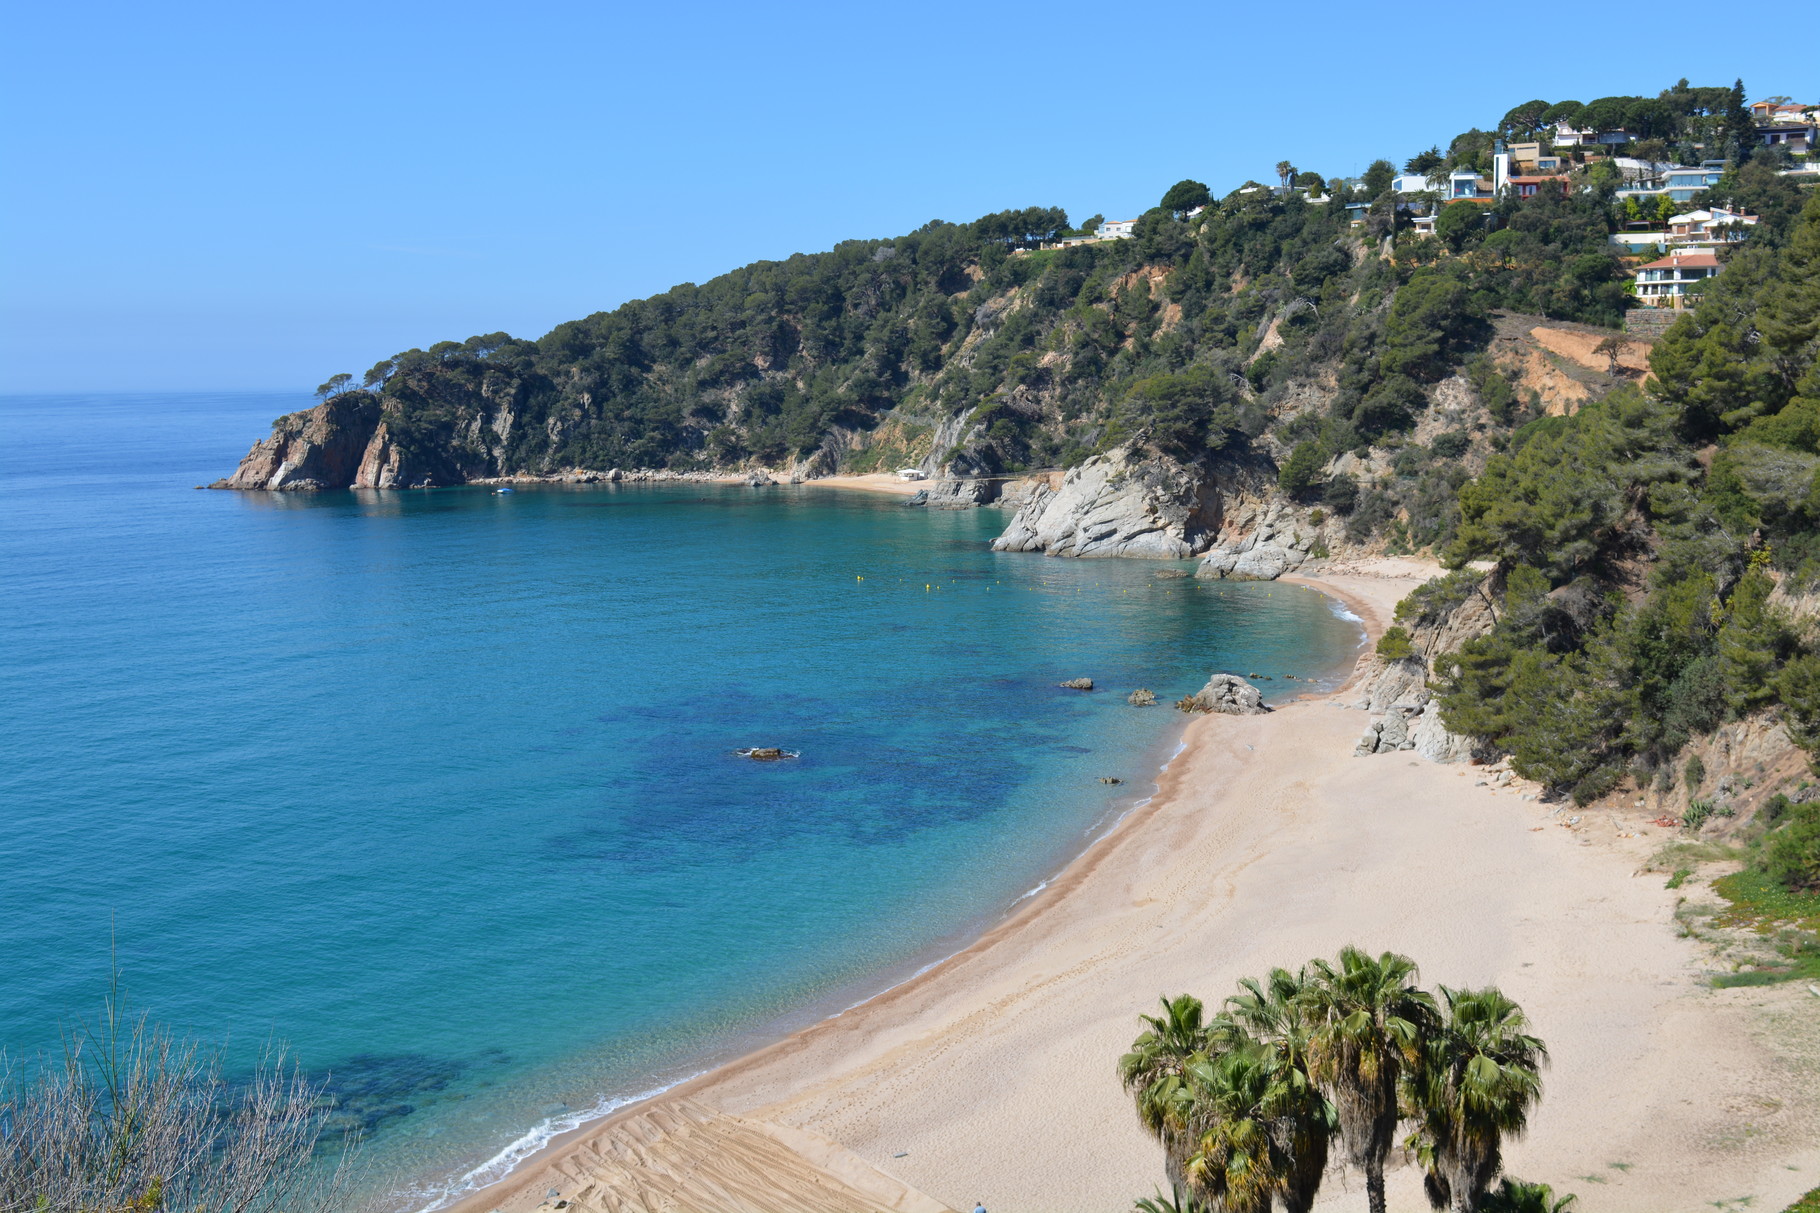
1655	554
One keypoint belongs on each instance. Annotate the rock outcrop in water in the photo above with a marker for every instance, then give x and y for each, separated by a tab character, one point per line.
338	444
1131	503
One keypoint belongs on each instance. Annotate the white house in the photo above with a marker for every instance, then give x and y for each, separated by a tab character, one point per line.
1116	229
1664	283
1717	226
1464	183
1569	135
1411	183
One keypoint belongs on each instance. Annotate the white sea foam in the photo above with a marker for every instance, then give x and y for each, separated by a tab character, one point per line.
1027	894
540	1135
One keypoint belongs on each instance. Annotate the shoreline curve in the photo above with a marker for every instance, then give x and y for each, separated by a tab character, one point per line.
1025	909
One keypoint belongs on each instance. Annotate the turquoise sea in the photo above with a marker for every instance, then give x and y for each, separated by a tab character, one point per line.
439	787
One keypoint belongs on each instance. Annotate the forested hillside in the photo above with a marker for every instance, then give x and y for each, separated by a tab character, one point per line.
1656	551
1046	355
1652	550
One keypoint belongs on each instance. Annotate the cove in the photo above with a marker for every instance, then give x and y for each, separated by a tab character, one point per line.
440	787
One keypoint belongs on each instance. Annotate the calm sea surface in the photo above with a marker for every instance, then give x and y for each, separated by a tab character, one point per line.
439	788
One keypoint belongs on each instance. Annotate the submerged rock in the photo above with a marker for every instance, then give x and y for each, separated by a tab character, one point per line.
766	754
1226	693
1076	684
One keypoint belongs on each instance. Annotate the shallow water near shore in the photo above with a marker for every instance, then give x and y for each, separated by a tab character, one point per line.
440	787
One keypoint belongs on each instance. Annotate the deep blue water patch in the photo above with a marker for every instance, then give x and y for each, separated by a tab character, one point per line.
440	787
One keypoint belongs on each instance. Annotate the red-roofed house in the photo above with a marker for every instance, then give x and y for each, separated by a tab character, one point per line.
1528	187
1664	283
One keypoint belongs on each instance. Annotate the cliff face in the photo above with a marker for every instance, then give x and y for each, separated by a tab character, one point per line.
353	441
1128	503
327	447
1263	540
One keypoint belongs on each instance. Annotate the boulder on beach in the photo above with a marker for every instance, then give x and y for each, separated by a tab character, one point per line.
1076	684
1227	693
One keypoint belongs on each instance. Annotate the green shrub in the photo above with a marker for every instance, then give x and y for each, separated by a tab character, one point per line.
1695	774
1450	445
1394	645
1341	495
1302	470
1434	600
1317	516
1791	853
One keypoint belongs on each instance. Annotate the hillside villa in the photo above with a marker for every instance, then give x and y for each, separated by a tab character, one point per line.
1665	283
1720	225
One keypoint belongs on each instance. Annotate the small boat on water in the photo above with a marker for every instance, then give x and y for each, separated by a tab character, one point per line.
505	489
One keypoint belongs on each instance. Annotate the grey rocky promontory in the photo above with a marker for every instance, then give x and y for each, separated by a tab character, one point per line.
1227	693
1131	503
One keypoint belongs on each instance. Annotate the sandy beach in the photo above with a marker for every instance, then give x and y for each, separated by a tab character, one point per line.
874	482
991	1078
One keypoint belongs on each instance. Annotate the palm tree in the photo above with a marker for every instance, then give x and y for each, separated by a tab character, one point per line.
1178	1203
1285	171
1153	1075
1236	1163
1274	1012
1367	1021
1515	1196
1477	1078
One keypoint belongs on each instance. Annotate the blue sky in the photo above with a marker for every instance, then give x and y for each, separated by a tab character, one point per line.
233	195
